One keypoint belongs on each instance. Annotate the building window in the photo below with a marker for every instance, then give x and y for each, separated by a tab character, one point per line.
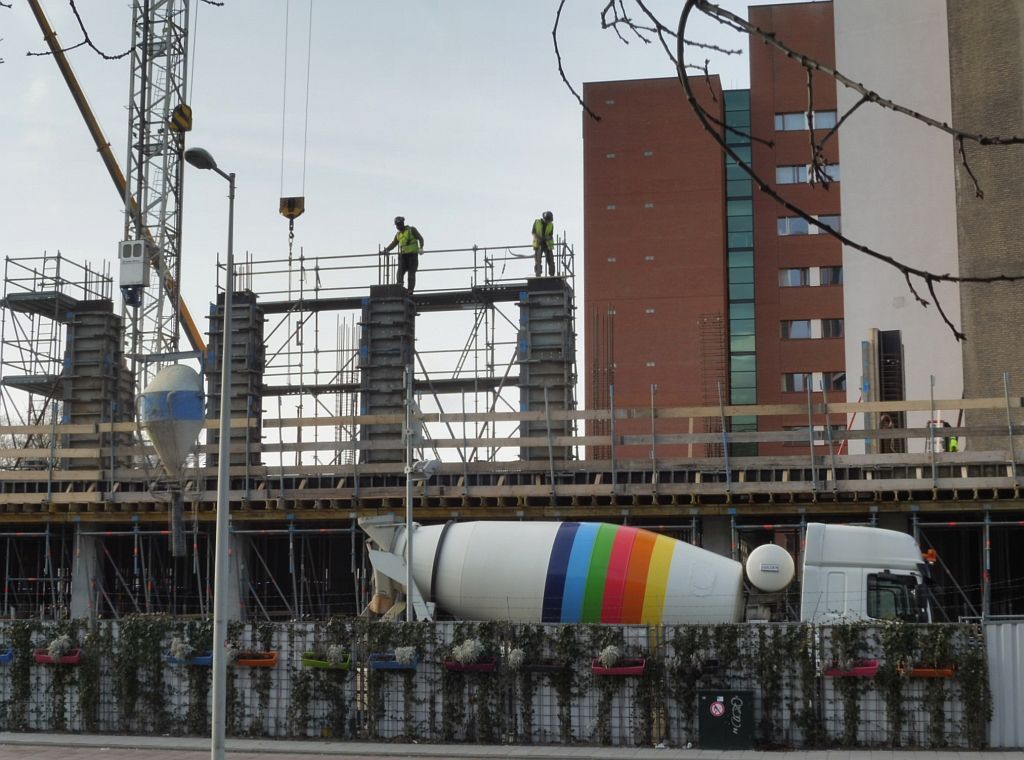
790	122
648	153
648	205
609	155
831	328
831	171
834	381
796	329
832	220
797	225
831	275
790	175
797	174
793	225
611	206
796	382
797	121
794	278
824	119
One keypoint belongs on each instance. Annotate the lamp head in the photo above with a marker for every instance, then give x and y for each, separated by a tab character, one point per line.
200	158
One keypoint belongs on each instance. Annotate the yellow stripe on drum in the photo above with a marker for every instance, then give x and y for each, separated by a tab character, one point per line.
657	579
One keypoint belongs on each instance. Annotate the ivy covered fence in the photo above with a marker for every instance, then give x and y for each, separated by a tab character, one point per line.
839	686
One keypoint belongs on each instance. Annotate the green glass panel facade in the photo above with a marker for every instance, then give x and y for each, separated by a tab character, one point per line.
740	242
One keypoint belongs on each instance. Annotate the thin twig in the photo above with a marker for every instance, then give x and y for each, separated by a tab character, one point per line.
85	41
736	22
978	192
561	71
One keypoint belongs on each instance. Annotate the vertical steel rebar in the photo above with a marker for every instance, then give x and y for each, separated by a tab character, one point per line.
810	436
725	438
410	614
1009	427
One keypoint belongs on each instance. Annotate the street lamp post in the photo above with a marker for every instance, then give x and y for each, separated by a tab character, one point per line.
201	159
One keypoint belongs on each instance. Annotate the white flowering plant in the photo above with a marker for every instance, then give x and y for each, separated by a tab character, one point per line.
515	658
336	654
60	647
232	652
468	652
609	656
405	655
180	649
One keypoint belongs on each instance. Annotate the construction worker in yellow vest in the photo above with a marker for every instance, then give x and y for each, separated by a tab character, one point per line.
544	242
410	245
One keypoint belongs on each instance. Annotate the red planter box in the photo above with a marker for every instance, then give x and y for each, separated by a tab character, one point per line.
487	666
627	666
42	656
860	669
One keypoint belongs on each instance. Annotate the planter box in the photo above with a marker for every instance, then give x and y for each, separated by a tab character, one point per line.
42	656
945	672
6	656
627	666
257	659
387	661
486	666
315	660
545	666
204	660
860	669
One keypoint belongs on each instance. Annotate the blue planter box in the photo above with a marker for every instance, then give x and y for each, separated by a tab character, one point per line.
6	656
387	661
199	660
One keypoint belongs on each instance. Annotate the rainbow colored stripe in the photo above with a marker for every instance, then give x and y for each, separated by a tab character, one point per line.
599	573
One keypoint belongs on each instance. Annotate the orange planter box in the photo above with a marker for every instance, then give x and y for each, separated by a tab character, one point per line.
257	659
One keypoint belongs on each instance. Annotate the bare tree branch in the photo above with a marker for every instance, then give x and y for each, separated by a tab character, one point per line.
615	15
561	71
908	272
85	41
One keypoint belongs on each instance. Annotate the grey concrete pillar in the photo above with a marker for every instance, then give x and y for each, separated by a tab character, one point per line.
717	534
238	578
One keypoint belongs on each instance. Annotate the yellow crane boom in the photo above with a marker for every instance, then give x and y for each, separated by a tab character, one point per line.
170	285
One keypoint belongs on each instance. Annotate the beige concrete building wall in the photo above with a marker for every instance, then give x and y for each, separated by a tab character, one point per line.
987	82
897	189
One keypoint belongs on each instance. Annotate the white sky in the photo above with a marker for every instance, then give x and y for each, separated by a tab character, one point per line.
450	112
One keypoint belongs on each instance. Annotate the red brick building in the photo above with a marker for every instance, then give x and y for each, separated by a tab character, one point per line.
693	283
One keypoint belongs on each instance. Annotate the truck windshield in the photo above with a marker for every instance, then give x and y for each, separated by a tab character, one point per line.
892	597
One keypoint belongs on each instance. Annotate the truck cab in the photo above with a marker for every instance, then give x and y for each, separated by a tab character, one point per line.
855	573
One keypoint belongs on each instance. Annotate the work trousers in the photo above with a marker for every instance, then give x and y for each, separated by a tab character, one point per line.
542	248
407	262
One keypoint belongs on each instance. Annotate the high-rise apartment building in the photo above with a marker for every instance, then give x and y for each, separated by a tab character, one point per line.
697	287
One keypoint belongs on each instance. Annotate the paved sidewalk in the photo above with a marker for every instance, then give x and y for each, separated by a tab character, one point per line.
18	746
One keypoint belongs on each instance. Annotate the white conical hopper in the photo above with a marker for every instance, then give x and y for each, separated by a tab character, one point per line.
171	410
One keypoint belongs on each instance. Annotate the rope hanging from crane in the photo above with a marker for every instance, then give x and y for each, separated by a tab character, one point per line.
292	207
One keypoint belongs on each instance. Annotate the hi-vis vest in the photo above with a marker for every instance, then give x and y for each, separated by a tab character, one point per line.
543	231
407	242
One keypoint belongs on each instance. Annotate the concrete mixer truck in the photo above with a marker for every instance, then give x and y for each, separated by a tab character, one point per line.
582	572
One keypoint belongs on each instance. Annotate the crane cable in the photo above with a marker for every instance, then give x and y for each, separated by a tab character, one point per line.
292	207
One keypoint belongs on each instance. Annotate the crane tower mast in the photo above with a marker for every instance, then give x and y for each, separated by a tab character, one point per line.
159	117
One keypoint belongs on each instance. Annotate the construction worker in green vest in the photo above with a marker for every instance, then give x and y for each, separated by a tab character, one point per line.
544	242
410	245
